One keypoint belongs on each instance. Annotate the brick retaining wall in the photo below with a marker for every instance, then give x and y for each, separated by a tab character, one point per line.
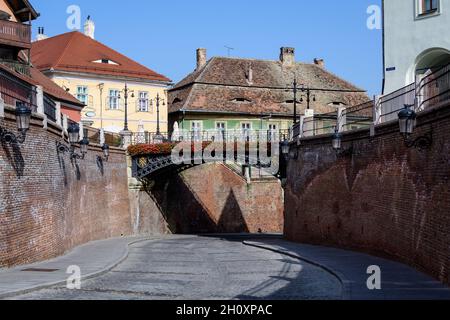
49	205
383	198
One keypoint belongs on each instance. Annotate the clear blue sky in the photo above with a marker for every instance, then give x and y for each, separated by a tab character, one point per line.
163	35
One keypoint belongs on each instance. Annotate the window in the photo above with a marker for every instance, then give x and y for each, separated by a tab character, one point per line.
82	94
241	100
196	128
246	128
221	128
427	7
143	102
113	99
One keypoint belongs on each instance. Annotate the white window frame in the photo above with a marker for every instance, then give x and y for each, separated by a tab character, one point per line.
146	100
84	95
116	97
197	131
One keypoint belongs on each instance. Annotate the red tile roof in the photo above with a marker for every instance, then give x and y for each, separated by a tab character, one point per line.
77	52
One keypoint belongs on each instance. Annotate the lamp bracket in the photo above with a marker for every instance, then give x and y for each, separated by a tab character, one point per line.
62	148
421	143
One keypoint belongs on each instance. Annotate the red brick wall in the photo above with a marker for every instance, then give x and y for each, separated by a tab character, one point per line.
383	198
207	199
46	207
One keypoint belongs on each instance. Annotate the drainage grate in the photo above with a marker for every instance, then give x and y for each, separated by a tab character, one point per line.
39	270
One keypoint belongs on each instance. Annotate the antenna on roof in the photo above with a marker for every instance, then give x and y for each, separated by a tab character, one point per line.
229	49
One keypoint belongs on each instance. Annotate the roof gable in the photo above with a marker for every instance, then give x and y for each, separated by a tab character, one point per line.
76	52
22	9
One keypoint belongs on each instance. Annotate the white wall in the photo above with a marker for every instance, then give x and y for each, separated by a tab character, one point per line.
408	36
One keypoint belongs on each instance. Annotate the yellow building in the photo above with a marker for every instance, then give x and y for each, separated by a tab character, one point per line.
97	76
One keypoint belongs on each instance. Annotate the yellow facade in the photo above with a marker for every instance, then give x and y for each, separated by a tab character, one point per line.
105	100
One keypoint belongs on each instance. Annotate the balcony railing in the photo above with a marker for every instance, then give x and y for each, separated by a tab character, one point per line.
16	66
14	90
15	34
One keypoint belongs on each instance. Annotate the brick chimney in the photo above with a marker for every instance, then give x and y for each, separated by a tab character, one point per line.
319	62
287	56
201	58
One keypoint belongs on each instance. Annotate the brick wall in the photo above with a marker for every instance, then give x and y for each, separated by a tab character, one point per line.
383	198
49	205
207	199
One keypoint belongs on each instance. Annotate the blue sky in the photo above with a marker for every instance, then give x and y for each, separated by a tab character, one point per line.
163	35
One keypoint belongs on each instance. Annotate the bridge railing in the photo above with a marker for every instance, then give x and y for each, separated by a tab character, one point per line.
211	136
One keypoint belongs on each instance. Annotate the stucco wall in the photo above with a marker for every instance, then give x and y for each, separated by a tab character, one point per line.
407	36
382	197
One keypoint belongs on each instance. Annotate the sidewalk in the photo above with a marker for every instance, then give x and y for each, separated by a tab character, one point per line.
398	281
93	258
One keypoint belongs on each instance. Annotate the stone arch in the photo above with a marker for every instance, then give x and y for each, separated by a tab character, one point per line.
430	59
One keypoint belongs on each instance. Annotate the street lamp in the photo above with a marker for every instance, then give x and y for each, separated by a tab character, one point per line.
407	122
158	137
23	118
337	140
308	96
295	89
74	137
105	149
127	93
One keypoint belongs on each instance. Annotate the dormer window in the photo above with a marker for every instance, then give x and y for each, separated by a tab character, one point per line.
176	100
241	100
106	61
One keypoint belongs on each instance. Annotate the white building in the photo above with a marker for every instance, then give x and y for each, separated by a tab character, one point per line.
416	39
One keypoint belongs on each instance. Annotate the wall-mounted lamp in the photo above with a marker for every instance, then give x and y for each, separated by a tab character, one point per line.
74	137
285	149
407	122
337	141
23	118
105	149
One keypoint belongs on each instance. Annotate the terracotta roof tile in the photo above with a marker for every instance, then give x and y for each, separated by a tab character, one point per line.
77	52
223	82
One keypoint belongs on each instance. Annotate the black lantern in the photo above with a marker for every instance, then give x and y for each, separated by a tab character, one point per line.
23	117
84	146
74	133
337	140
407	120
285	148
105	149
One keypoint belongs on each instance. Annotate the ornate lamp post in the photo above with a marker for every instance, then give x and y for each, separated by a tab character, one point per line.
159	138
309	95
126	134
407	122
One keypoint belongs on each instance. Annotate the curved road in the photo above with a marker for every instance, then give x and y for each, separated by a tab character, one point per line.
186	267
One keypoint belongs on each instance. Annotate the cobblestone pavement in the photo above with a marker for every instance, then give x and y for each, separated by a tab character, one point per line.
189	267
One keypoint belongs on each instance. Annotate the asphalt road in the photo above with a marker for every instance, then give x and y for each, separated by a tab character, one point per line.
202	268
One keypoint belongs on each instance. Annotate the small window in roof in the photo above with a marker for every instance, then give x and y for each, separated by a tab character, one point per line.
105	61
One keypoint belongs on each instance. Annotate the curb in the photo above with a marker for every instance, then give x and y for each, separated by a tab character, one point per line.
86	277
346	284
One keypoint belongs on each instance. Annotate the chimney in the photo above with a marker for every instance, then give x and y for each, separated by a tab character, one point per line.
89	28
41	35
287	56
319	62
201	58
